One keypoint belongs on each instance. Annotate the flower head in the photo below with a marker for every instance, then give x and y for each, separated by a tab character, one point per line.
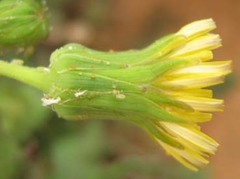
161	88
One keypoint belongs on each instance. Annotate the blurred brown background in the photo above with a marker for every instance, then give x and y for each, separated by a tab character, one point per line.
127	24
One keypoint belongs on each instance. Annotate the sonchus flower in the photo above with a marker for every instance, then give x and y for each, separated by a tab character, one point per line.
23	22
161	88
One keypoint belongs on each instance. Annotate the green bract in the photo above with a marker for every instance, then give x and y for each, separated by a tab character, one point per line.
22	22
92	84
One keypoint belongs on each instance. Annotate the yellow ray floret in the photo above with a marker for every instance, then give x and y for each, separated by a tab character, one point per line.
187	84
197	146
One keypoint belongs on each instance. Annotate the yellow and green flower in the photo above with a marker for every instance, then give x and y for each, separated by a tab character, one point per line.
161	88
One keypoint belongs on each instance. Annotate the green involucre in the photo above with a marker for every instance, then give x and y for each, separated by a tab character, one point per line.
107	85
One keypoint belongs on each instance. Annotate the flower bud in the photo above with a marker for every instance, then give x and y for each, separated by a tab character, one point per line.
23	22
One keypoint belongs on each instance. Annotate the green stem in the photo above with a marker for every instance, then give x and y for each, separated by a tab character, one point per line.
32	76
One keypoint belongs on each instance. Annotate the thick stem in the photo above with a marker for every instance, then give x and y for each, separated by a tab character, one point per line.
32	76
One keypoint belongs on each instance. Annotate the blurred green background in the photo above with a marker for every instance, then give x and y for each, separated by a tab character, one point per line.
36	144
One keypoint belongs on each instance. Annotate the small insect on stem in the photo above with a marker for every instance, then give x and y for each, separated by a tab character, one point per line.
49	101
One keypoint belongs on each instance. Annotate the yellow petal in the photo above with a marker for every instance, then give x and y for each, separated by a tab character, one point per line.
223	67
190	92
203	104
203	55
207	42
192	135
197	28
194	116
187	157
177	155
192	81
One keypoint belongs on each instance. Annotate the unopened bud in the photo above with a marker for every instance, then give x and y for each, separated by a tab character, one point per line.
23	22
